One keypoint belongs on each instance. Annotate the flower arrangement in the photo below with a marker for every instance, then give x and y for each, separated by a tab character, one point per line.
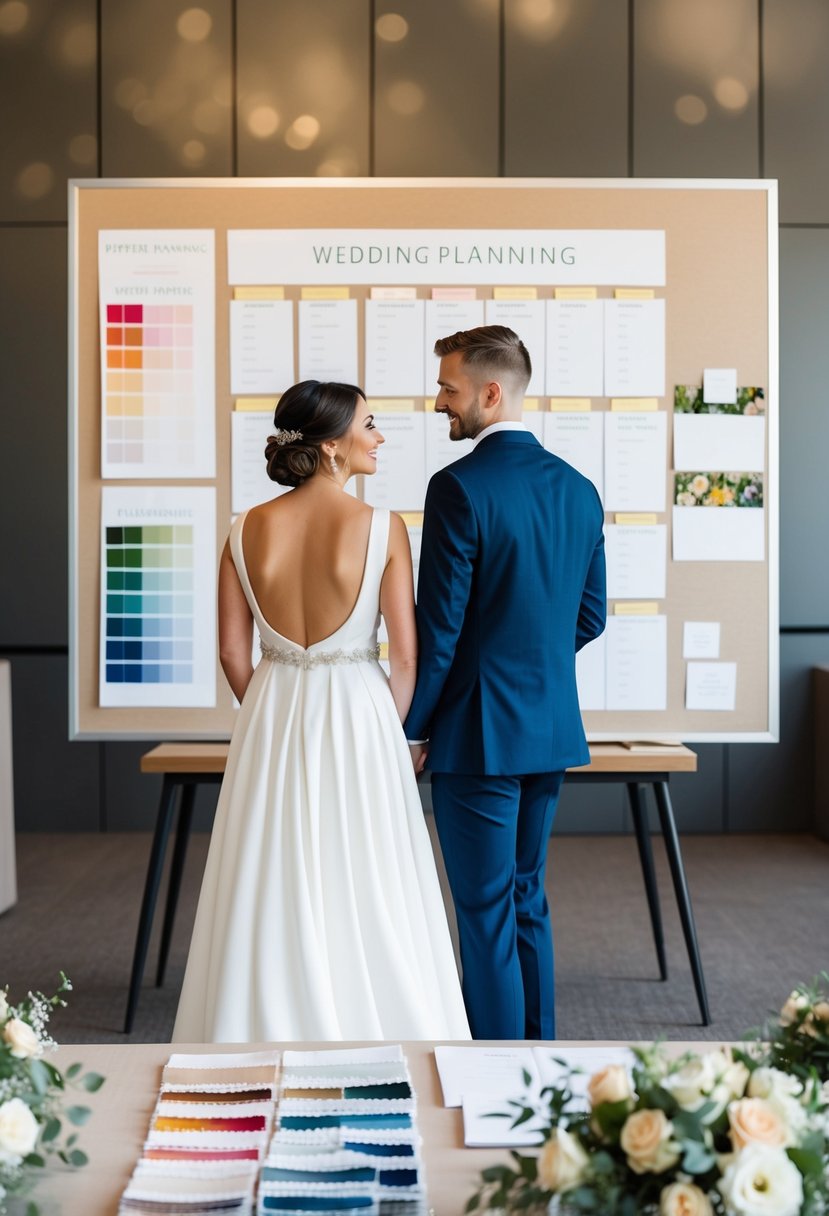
724	1133
31	1095
719	490
688	400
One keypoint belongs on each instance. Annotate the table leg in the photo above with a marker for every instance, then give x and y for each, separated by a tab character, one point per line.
683	899
185	819
145	920
643	842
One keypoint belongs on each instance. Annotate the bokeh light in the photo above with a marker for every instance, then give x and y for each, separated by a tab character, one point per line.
405	97
194	25
35	180
691	110
391	27
78	45
731	93
14	17
262	121
302	132
129	92
83	149
541	18
193	152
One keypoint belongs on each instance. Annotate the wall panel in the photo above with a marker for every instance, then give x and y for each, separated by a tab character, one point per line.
48	57
804	431
33	456
566	89
437	88
795	42
304	87
695	88
166	86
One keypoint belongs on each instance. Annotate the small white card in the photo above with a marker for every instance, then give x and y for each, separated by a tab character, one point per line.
711	686
701	640
719	385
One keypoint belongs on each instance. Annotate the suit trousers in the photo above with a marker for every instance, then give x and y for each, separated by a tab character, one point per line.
493	835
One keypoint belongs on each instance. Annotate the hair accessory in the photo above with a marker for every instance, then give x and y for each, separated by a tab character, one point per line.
283	437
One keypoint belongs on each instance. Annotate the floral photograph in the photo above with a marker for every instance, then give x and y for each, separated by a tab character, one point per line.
718	490
729	1132
750	401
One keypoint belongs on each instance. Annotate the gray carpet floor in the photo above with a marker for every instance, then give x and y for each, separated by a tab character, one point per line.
761	905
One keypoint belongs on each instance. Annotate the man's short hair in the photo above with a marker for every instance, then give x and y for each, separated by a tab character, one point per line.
491	351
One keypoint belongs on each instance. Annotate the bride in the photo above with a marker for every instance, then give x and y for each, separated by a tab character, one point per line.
320	914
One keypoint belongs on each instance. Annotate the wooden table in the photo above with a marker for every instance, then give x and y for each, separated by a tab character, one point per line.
122	1110
184	766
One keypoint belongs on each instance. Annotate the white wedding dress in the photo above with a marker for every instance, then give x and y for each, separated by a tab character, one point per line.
320	914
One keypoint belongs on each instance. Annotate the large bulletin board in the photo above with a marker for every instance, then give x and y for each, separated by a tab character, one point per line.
650	311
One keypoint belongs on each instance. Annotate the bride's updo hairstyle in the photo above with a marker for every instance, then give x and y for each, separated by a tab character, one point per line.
317	411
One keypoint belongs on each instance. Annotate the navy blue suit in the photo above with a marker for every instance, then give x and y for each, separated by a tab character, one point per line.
511	585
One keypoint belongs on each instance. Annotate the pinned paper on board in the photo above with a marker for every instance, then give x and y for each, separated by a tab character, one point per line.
719	384
636	561
578	438
637	662
635	461
701	640
328	340
261	346
400	480
709	435
718	517
711	686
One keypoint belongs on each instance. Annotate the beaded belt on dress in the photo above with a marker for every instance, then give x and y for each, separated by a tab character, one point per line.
317	658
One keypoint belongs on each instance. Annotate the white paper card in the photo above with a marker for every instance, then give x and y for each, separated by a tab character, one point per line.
579	439
635	461
400	480
575	348
440	449
261	346
634	348
249	481
711	686
480	1130
590	674
719	385
328	340
525	318
637	663
636	561
701	640
445	317
719	441
534	422
394	348
718	534
498	1069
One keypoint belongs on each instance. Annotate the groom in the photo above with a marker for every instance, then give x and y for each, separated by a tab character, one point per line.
511	585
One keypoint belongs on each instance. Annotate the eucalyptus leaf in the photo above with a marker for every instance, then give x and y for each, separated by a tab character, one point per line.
92	1082
39	1075
78	1158
78	1115
73	1070
51	1131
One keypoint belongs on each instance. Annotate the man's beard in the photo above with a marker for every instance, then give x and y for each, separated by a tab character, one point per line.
470	426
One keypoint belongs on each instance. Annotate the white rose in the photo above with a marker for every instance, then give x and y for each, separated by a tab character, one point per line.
21	1038
794	1007
647	1142
783	1093
762	1182
692	1084
610	1084
18	1131
4	1008
684	1199
562	1163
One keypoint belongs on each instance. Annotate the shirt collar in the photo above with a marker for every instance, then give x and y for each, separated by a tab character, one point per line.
497	426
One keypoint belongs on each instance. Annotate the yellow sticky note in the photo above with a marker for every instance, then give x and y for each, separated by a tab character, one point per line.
412	519
515	293
633	519
393	293
532	403
576	293
636	608
641	405
325	293
569	405
255	404
634	293
390	405
259	293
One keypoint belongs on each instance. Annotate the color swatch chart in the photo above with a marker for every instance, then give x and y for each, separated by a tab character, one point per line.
157	313
153	603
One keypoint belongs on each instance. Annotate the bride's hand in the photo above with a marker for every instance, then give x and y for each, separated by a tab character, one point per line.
419	753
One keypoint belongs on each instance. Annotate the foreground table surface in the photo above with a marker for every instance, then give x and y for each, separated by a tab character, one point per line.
122	1109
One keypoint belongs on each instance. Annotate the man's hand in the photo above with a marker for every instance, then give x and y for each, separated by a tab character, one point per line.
419	753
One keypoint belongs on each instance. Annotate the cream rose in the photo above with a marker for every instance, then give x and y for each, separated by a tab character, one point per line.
820	1011
793	1008
21	1038
562	1163
756	1121
18	1131
691	1084
611	1084
646	1141
762	1182
684	1199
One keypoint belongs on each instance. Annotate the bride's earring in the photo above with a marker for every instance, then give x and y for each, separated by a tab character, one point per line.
332	460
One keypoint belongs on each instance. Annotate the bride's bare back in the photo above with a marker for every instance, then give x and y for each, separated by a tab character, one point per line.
305	554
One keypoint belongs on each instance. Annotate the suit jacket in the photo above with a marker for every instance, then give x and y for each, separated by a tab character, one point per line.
511	585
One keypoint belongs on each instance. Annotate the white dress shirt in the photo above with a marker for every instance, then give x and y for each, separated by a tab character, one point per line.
497	426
